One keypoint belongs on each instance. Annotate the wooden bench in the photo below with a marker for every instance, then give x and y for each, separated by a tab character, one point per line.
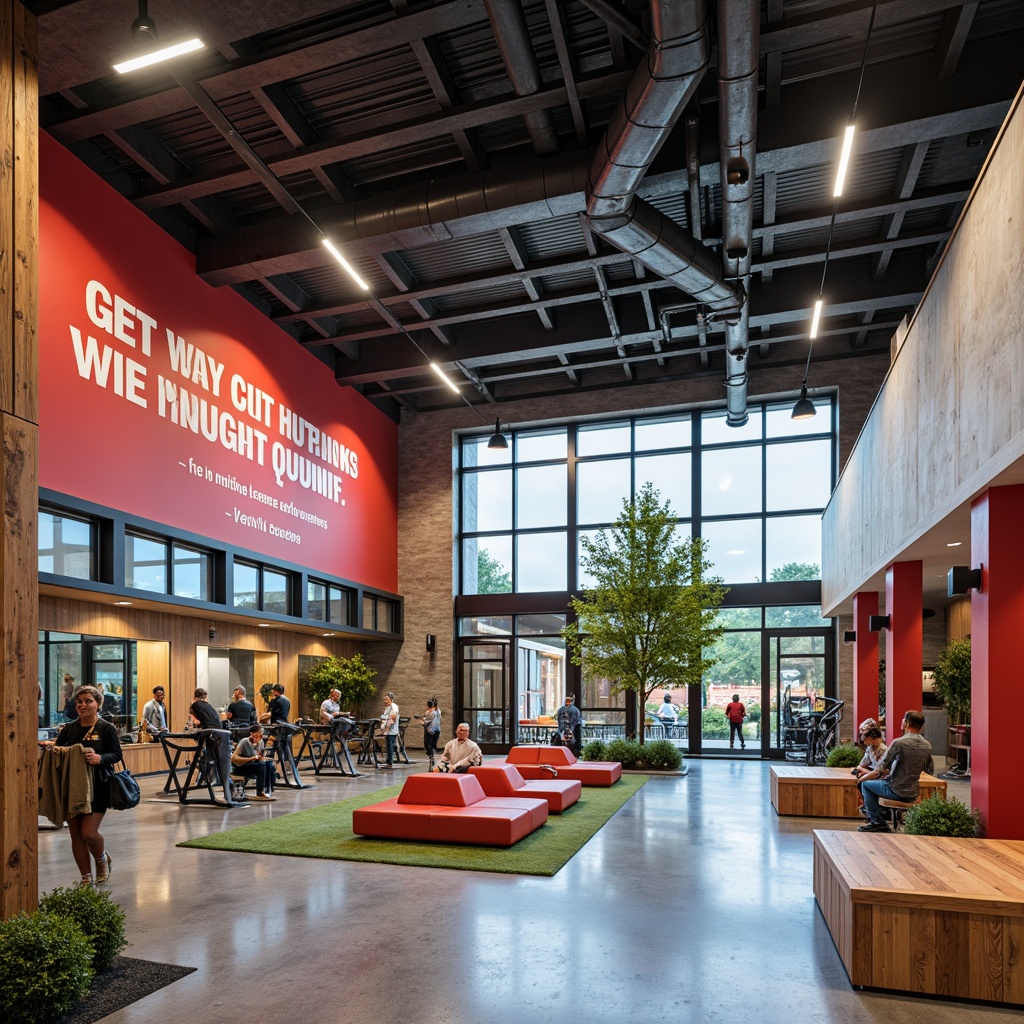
826	792
925	914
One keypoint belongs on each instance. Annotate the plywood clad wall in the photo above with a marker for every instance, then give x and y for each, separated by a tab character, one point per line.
19	391
950	416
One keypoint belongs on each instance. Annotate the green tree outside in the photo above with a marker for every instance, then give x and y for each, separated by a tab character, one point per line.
491	576
795	571
650	618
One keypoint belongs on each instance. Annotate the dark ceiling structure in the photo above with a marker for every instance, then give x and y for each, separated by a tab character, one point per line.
548	195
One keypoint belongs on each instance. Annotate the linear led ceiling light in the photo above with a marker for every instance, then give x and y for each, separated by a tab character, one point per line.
145	34
844	160
815	319
444	376
333	250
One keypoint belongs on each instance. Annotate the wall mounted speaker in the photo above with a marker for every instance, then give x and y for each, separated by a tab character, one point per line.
876	623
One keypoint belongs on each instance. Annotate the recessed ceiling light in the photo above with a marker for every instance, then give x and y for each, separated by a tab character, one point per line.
327	634
264	625
122	602
954	543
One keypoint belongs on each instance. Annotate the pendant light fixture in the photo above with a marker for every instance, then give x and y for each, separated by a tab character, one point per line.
497	439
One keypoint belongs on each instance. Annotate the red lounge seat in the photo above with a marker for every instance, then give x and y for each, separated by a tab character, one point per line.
504	780
528	761
451	809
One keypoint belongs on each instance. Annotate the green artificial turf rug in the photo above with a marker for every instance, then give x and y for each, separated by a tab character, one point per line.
326	832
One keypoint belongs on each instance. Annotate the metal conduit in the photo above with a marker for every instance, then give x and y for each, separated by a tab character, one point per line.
639	127
513	38
738	55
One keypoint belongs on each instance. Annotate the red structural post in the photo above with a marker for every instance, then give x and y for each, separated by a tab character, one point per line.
903	643
865	659
997	612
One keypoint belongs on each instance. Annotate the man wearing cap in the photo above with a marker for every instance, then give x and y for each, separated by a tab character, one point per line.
570	724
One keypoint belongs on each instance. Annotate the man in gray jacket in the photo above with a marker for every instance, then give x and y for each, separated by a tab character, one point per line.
899	776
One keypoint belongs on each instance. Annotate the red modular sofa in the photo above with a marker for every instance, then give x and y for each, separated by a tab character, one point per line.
503	779
451	809
528	761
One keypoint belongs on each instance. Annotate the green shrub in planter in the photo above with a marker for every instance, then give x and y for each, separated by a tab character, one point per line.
846	755
938	817
595	750
45	966
714	724
99	917
659	756
624	751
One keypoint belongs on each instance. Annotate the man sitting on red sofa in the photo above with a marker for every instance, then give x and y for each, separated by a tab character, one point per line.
461	753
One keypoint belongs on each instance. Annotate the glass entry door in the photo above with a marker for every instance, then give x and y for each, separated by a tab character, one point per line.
484	692
797	665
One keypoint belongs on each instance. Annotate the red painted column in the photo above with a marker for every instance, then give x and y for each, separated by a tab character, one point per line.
997	617
865	660
904	598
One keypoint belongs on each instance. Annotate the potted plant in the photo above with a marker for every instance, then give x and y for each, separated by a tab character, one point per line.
845	755
352	676
953	680
938	817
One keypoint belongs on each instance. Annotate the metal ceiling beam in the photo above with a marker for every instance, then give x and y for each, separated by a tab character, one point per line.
266	68
583	329
377	139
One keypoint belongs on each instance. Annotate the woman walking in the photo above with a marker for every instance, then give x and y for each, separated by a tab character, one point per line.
431	729
102	750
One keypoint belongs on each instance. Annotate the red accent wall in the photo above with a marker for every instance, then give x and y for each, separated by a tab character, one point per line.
865	659
904	644
177	402
997	611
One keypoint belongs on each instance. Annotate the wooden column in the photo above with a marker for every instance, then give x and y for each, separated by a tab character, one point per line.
997	612
865	660
904	642
19	388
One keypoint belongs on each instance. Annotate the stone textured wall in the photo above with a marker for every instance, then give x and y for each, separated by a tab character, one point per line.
426	516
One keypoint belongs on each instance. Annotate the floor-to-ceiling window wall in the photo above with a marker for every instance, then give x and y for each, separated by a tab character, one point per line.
755	493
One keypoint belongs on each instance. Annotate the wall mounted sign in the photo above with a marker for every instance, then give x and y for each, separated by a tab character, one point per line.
177	402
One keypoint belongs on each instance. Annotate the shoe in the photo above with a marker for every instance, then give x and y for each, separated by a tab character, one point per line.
264	797
862	811
86	880
103	869
874	826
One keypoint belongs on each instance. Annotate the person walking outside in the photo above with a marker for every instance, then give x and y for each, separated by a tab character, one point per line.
736	712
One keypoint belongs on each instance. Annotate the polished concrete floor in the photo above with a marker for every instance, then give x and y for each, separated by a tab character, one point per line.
693	903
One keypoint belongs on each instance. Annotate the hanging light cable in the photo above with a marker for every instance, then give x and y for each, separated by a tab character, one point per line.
804	407
144	28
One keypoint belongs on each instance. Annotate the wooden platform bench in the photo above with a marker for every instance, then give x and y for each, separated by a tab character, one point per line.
925	914
826	792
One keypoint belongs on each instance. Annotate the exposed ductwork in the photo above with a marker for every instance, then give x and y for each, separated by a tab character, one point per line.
640	125
513	38
738	55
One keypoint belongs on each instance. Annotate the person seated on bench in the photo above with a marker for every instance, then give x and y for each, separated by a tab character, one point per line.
240	711
899	776
461	753
205	715
570	724
874	753
249	760
331	708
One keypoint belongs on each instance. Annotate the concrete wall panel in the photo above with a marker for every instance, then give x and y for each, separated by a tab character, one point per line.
950	416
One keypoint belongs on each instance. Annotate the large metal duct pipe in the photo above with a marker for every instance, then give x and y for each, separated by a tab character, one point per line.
738	55
509	26
640	125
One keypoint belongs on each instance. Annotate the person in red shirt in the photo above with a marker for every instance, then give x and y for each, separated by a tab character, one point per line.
736	712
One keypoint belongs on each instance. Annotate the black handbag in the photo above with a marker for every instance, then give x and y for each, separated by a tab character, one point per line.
123	791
